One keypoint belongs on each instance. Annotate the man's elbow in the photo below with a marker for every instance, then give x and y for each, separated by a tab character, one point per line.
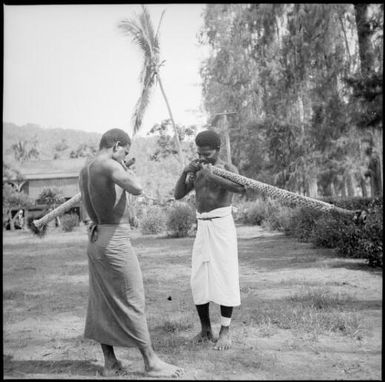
137	191
177	195
239	190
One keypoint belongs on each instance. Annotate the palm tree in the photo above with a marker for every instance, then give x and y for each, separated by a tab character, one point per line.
142	33
25	150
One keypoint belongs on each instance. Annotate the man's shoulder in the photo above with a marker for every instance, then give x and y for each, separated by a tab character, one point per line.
101	166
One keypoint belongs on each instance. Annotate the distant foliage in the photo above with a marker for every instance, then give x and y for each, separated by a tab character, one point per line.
302	223
332	230
279	218
355	203
52	196
327	230
302	79
180	220
153	220
49	141
25	150
69	222
254	212
364	241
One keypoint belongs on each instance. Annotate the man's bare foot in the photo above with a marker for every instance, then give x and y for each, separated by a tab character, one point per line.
159	368
203	336
224	340
114	369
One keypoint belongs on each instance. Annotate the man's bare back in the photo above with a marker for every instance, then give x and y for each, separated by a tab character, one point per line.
105	201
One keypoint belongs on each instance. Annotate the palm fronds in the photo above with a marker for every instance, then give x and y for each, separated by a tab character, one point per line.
141	31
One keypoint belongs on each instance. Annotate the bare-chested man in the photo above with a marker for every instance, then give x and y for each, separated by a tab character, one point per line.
116	306
214	274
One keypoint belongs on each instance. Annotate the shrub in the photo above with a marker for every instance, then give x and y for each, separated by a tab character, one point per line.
279	218
354	203
239	212
371	244
302	223
153	220
327	230
180	220
364	240
69	222
251	212
355	240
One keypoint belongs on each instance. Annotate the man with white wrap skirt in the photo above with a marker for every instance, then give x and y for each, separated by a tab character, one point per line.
214	275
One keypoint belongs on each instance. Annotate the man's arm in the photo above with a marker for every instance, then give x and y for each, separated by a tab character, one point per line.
225	183
124	178
181	188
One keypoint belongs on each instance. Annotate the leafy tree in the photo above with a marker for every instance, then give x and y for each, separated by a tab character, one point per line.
83	151
282	67
366	84
60	148
24	150
166	145
143	35
11	173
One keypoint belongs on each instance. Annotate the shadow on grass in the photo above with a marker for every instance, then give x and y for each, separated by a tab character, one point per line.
360	265
285	252
72	367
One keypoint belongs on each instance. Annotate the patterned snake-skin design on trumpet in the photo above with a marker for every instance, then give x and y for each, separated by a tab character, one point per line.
280	194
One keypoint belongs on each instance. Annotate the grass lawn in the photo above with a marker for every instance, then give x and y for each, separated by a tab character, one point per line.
305	313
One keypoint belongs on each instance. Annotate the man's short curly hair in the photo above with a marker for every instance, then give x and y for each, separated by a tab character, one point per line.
208	138
112	136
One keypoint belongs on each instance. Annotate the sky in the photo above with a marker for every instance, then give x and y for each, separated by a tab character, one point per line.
69	66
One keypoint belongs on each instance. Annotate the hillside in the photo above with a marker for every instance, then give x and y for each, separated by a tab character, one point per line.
157	177
46	138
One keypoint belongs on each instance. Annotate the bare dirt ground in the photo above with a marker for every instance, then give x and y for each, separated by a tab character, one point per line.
305	313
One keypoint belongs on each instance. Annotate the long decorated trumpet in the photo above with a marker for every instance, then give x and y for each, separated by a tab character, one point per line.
280	194
262	188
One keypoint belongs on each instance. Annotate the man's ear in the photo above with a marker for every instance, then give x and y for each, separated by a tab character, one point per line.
115	148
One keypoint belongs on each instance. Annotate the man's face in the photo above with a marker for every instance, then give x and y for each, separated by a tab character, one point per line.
207	154
120	152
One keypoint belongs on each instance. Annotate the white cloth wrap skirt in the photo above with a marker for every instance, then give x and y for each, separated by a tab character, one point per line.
215	275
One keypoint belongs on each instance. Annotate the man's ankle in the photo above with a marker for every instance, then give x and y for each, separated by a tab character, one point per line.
148	354
206	329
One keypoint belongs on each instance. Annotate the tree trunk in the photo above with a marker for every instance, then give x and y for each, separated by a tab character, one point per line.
312	187
12	221
26	213
179	148
350	185
364	32
363	187
375	176
222	129
366	53
378	135
227	138
332	189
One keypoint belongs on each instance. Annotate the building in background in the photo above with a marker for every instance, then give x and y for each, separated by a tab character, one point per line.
62	174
